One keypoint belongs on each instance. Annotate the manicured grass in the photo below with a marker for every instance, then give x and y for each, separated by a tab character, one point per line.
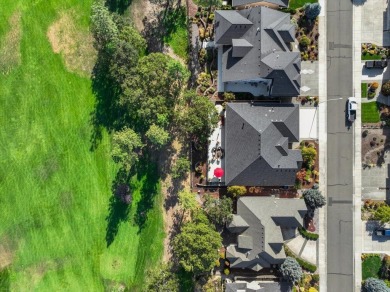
55	192
371	57
294	4
176	32
371	267
364	90
370	113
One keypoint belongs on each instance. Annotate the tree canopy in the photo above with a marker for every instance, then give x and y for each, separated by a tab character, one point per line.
157	136
151	93
196	246
125	147
199	116
103	27
314	199
162	279
291	270
187	201
219	211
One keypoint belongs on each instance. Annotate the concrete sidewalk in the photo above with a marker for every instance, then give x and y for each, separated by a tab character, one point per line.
357	201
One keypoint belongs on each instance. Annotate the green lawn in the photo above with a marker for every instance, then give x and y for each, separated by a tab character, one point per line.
370	113
299	3
371	57
364	90
176	36
55	192
371	267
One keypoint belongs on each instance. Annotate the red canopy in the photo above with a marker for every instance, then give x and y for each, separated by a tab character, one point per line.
218	172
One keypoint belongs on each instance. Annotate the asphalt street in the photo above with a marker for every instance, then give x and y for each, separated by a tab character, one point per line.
339	148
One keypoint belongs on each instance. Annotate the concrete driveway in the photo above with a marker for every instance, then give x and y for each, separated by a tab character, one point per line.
374	23
309	78
372	242
375	74
308	123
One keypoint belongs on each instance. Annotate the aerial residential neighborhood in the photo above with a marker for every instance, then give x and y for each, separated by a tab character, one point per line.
195	145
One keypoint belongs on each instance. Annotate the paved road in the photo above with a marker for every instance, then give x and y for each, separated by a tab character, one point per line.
339	148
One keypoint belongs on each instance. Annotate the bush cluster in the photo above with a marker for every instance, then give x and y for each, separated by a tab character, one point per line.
306	234
386	88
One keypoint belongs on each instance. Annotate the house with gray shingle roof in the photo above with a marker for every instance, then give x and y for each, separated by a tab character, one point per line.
254	52
256	286
258	139
262	225
278	3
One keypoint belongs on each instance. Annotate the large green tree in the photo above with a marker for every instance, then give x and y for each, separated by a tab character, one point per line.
103	27
126	145
198	117
196	246
383	214
219	211
151	93
162	279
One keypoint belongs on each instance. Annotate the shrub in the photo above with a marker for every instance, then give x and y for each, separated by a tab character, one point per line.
306	234
308	154
374	86
236	191
315	278
315	187
312	10
314	199
375	285
365	133
305	265
217	263
226	272
181	167
290	270
386	88
229	96
304	42
222	255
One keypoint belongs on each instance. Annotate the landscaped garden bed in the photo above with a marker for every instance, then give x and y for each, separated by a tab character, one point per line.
375	146
308	175
304	264
306	33
373	52
376	266
369	207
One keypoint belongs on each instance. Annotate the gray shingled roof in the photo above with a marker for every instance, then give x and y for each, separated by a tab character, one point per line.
266	217
241	286
256	144
282	3
269	33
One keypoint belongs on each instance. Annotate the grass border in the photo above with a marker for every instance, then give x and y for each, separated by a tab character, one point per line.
304	264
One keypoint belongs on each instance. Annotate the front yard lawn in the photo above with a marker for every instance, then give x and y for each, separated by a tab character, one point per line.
294	4
364	90
370	113
371	57
371	267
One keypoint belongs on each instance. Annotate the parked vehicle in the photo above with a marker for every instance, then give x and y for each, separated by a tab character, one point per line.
382	232
376	64
351	109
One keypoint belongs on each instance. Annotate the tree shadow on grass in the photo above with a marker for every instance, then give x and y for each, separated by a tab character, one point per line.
107	113
118	208
5	283
118	6
147	172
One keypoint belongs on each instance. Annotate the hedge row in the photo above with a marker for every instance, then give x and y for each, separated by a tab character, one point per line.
304	264
306	234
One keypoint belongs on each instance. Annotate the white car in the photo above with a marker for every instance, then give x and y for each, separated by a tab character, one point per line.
351	109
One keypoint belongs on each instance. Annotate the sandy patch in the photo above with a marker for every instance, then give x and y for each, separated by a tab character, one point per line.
73	43
5	256
10	55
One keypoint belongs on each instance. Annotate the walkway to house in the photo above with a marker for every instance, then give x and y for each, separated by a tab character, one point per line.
305	249
309	78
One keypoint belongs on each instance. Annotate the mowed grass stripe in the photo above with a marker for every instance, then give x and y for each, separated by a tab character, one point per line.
54	192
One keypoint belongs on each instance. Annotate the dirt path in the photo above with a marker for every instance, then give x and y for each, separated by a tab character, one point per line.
170	189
